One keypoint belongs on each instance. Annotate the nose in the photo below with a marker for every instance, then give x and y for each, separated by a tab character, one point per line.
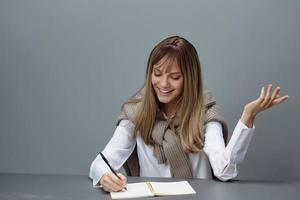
164	82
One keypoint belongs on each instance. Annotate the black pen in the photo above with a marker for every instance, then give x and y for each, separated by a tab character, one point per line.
113	171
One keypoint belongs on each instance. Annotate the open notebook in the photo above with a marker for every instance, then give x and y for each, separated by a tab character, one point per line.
151	189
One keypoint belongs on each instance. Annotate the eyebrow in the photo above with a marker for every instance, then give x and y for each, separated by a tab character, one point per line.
170	73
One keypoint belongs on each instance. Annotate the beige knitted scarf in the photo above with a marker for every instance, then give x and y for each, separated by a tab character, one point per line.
167	147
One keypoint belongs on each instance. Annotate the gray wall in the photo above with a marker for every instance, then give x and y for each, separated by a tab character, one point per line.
67	66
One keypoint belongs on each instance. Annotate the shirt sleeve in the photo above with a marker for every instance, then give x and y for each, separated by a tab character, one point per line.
117	151
223	159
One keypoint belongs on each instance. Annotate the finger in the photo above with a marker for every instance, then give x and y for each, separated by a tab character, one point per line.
123	178
262	95
267	96
117	180
274	95
112	185
280	100
108	184
104	182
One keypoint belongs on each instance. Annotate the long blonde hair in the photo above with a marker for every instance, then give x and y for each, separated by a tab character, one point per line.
190	105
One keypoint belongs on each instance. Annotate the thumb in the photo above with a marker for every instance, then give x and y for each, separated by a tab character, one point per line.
123	178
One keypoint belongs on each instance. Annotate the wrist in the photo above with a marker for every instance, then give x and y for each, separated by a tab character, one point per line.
248	115
248	118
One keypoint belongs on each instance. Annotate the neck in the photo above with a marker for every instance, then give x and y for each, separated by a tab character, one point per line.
169	109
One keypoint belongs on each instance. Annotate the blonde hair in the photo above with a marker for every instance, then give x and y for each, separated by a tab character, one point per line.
190	105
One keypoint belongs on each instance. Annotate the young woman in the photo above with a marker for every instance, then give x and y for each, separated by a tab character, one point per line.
172	128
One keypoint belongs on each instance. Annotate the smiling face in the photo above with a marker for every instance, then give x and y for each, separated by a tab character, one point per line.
167	81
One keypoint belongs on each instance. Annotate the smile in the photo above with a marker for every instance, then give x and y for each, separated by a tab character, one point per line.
165	91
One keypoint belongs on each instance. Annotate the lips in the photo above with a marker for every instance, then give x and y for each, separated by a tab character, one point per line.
164	92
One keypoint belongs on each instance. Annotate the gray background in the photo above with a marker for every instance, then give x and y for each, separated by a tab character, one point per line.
67	66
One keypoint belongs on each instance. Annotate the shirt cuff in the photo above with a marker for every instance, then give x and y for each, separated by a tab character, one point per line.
98	169
241	124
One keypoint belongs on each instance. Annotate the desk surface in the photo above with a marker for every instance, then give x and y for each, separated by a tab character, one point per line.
72	187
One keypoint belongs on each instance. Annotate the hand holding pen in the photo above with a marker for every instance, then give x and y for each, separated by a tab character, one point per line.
112	182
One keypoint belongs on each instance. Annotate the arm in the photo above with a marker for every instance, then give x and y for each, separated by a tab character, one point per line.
223	159
117	151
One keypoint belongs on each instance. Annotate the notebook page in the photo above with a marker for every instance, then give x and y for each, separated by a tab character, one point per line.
172	188
134	190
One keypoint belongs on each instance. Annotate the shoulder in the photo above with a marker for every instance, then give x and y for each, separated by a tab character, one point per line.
127	125
213	114
208	98
131	107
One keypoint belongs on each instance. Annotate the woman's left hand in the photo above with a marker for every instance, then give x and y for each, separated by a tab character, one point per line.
266	100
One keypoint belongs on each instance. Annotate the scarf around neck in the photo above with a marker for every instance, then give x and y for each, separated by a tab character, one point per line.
167	147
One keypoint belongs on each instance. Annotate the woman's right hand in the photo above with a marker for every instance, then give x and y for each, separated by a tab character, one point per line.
111	183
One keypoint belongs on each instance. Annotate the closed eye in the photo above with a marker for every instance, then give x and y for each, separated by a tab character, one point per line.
156	72
175	77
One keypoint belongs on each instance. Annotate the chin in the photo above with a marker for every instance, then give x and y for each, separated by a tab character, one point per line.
164	99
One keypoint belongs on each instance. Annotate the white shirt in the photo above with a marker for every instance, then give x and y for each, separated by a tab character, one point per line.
223	160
